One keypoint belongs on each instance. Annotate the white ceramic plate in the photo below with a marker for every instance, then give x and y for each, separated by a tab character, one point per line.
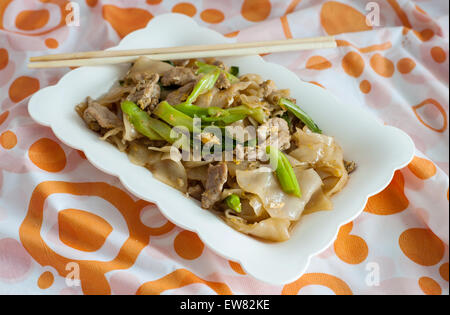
378	150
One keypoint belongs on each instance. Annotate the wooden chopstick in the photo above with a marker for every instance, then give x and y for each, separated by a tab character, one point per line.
167	50
95	58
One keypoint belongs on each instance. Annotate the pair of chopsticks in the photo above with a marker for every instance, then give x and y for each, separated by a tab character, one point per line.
96	58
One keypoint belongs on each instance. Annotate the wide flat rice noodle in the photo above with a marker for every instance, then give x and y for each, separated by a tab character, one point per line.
222	99
278	204
171	173
140	155
324	155
319	202
272	229
145	64
130	133
116	94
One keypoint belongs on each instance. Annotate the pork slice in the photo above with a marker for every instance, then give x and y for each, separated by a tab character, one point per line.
275	132
97	116
274	97
178	76
180	95
219	64
147	92
350	166
268	87
195	191
223	82
217	177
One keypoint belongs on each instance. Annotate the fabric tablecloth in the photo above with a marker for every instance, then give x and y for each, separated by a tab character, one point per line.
396	66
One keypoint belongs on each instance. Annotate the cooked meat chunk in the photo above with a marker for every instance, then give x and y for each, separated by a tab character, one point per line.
275	132
180	95
219	64
195	191
268	87
178	76
223	82
133	78
181	62
217	177
275	96
147	92
97	116
350	166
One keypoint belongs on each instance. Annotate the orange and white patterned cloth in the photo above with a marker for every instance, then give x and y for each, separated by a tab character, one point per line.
59	215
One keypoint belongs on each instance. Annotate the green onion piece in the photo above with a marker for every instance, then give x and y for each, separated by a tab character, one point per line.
207	68
234	71
234	203
300	114
205	84
150	127
226	119
217	112
173	117
288	118
284	171
192	110
220	115
256	113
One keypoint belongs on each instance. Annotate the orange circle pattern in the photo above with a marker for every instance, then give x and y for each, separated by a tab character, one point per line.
212	16
256	10
422	246
23	87
4	58
3	117
318	63
51	43
185	8
391	200
8	140
365	87
430	286
422	168
406	65
91	3
45	280
443	271
382	65
47	155
351	249
30	20
188	245
337	18
438	54
353	64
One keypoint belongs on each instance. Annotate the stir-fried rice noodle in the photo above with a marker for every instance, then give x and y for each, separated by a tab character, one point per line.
247	192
